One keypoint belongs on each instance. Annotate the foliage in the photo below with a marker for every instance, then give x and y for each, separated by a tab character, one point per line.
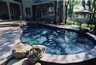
91	7
84	4
21	22
71	4
89	4
93	11
78	23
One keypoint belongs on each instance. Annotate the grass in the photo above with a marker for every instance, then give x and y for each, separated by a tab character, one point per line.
80	24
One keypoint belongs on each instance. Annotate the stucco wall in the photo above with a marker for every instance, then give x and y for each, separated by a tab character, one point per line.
27	4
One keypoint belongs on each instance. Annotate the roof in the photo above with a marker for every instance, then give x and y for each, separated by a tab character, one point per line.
83	12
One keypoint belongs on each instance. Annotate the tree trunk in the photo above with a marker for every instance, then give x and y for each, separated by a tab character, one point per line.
94	13
66	5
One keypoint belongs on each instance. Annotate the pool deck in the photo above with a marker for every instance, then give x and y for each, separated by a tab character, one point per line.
9	36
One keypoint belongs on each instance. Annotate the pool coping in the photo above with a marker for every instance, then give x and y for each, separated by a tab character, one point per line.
73	58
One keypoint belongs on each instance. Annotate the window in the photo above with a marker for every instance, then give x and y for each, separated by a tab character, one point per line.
27	11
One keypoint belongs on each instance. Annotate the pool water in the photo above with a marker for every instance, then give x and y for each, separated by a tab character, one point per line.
57	41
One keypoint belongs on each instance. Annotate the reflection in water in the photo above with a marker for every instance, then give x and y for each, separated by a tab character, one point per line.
57	41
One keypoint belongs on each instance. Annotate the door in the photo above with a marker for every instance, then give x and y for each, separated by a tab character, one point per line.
39	13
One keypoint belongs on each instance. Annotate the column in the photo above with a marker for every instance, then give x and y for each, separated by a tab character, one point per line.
55	12
8	4
21	11
31	10
60	13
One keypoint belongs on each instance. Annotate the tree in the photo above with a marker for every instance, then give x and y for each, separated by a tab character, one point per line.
70	11
89	2
84	4
93	10
93	16
66	10
71	4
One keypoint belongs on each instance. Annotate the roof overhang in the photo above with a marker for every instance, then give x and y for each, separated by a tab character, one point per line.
43	3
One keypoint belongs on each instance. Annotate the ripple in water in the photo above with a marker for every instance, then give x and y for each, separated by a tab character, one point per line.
60	42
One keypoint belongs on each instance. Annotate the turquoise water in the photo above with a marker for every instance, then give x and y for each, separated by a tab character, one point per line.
57	41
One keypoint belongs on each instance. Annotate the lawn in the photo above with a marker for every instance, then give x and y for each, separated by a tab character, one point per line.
80	24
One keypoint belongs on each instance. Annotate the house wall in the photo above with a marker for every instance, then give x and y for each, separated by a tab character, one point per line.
3	8
59	11
10	1
15	11
17	8
27	4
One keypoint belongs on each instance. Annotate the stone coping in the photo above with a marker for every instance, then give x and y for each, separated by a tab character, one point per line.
73	58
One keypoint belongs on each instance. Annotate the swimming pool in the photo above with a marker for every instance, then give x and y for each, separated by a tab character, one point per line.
58	41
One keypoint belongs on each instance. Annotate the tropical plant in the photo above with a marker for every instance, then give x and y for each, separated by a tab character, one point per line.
71	4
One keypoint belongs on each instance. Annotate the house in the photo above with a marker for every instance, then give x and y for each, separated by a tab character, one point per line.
10	9
42	10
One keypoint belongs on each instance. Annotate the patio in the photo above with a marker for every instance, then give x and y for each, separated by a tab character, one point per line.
14	34
17	17
9	36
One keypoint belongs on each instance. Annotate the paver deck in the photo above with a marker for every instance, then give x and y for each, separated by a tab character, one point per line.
9	36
